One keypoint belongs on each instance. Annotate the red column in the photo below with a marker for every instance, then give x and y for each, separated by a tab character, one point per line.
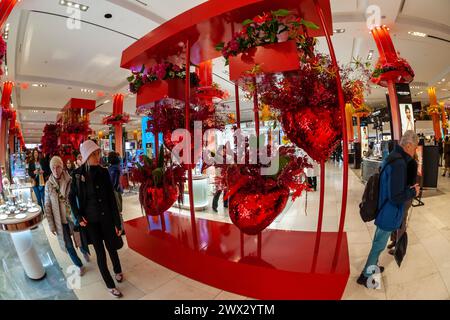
5	105
6	7
118	129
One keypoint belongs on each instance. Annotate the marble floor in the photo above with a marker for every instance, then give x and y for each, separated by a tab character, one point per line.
424	274
15	285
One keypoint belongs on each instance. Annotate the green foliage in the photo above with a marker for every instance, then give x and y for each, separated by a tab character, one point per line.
281	13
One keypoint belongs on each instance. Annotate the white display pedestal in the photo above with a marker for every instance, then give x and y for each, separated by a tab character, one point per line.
23	241
200	190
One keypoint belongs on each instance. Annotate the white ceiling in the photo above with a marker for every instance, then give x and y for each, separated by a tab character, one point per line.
43	49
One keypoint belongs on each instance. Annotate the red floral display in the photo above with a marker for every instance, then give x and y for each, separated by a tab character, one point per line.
116	119
49	140
308	105
7	113
270	27
399	71
165	117
257	199
161	184
2	52
81	128
161	71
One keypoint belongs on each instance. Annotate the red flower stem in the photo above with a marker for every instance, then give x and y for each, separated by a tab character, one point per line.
256	114
188	127
238	107
344	134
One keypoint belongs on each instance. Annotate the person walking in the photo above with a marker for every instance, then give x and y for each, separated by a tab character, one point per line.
446	156
36	173
57	211
114	173
94	205
394	193
311	173
441	150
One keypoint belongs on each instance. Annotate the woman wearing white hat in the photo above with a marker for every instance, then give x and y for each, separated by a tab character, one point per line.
94	205
57	211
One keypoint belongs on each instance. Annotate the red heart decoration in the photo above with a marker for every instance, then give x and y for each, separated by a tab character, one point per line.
315	130
253	212
156	201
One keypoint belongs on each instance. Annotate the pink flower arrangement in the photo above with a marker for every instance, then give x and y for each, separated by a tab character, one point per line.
160	71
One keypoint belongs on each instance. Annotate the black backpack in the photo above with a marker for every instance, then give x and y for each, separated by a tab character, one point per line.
368	208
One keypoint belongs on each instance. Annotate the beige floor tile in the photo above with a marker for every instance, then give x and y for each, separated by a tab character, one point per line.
355	291
416	265
427	288
98	291
178	290
146	277
225	295
199	285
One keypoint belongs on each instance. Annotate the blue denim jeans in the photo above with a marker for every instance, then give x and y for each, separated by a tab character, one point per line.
70	248
39	192
379	243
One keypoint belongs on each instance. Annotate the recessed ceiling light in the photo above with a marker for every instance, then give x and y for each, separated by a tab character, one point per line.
370	55
338	30
443	79
71	4
417	34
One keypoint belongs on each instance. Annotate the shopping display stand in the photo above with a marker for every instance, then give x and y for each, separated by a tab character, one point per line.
276	264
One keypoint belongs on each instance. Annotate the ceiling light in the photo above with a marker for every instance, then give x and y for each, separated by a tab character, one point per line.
82	7
439	82
417	34
338	30
370	55
107	101
443	79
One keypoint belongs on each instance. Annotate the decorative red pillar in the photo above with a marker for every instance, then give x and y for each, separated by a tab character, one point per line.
5	106
118	129
390	69
6	7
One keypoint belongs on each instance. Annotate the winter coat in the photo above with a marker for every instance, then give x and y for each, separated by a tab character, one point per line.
447	154
104	194
394	190
55	208
114	173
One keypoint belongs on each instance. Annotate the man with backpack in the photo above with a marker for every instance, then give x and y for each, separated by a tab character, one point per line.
394	192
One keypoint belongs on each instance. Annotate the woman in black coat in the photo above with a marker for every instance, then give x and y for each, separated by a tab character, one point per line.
94	206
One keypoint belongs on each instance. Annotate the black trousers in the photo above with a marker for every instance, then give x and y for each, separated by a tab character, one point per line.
312	181
101	234
215	202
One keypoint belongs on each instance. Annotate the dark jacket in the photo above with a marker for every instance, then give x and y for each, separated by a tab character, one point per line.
394	190
114	173
32	168
105	195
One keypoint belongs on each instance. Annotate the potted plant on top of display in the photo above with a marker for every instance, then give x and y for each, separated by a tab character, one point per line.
161	183
272	41
162	80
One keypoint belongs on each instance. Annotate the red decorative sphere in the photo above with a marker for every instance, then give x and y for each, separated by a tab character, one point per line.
156	201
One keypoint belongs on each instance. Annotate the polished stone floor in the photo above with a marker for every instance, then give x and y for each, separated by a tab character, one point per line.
424	274
15	285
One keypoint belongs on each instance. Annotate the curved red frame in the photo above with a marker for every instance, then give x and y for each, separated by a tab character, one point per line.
200	29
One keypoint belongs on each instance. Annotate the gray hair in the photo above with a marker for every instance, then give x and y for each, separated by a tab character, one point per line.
55	161
409	137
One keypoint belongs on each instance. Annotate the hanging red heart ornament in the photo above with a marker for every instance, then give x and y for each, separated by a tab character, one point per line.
252	212
316	130
156	201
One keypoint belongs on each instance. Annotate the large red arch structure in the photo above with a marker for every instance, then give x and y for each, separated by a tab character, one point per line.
316	264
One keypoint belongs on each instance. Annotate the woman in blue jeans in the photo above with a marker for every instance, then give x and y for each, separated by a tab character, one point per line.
57	211
36	172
